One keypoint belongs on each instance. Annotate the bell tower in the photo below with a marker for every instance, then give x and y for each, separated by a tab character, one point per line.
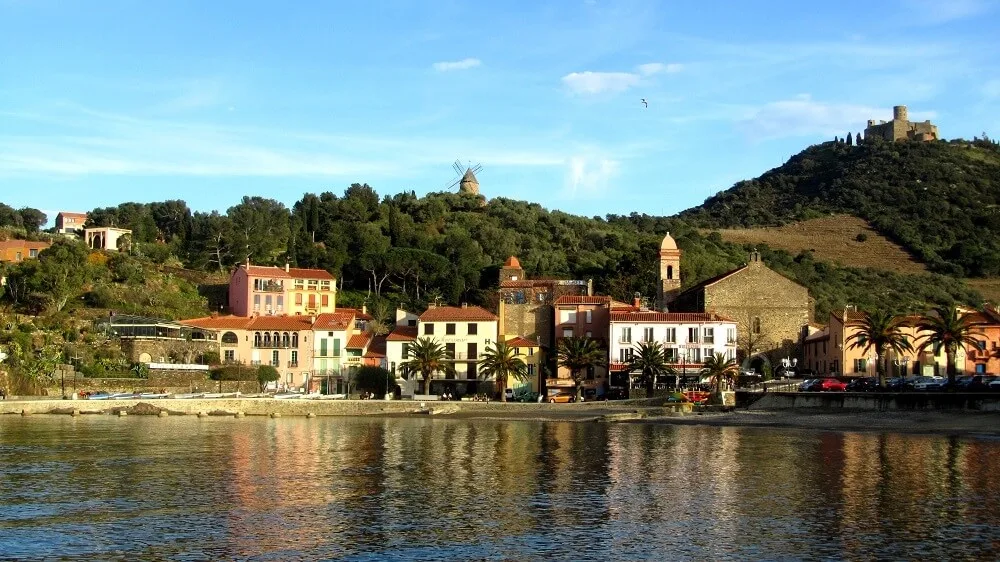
670	272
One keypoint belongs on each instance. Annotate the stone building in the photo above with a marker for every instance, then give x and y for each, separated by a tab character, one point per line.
769	309
526	306
901	128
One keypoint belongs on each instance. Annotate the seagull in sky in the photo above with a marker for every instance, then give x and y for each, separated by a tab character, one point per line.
644	104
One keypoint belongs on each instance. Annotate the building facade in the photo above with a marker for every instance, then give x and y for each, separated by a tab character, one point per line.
20	250
528	351
587	317
70	223
465	332
107	238
688	339
273	291
526	305
985	358
901	128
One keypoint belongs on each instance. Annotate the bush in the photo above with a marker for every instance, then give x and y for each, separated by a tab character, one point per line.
233	373
374	379
209	358
266	374
861	237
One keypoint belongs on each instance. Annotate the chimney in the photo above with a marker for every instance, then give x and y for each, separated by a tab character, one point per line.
215	314
286	267
431	305
465	305
364	308
312	319
590	287
636	302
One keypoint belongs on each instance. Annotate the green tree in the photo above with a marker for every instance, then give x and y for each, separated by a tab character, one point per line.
719	368
376	380
579	355
501	363
426	358
949	329
266	374
260	230
32	219
882	332
650	361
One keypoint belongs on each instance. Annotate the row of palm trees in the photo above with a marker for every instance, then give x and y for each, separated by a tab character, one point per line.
944	328
577	354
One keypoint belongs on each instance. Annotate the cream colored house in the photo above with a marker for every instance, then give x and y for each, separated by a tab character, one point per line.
465	332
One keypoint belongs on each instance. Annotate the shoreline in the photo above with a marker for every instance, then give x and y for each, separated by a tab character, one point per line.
936	422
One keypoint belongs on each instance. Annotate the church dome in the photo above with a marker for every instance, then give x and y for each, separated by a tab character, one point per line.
512	262
668	243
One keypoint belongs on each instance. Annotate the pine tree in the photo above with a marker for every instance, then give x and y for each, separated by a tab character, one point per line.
850	139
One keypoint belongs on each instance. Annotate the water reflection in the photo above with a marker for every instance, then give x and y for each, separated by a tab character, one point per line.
186	488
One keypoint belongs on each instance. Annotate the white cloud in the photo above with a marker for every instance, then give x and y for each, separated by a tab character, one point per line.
803	116
590	176
590	82
464	64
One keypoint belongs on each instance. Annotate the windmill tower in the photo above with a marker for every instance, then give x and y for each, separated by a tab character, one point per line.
466	178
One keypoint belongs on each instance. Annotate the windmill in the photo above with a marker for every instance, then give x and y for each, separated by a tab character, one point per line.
465	178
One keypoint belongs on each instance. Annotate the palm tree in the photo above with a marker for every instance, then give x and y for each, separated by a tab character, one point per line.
578	354
947	328
426	358
882	332
649	359
501	362
718	367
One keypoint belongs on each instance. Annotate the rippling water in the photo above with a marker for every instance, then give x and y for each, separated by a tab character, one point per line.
99	487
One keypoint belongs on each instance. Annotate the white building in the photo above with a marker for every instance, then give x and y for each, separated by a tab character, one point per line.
687	338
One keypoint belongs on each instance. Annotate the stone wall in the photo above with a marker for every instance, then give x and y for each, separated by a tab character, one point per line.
166	351
178	381
880	401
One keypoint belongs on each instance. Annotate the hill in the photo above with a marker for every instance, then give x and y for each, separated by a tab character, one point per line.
840	239
939	200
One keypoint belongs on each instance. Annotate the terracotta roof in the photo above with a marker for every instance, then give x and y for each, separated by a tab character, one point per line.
574	299
523	284
334	321
356	312
626	308
23	244
445	313
359	341
377	347
512	262
675	317
228	322
289	323
518	341
265	271
72	214
299	273
403	333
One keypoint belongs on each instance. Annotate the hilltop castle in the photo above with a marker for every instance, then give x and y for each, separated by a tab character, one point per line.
901	128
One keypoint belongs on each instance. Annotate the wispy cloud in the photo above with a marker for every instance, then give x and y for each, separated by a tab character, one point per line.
590	176
590	82
803	116
464	64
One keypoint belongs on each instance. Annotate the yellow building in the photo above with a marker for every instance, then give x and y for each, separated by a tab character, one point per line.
312	291
528	351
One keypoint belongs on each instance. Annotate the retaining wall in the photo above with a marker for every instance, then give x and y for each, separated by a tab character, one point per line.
971	401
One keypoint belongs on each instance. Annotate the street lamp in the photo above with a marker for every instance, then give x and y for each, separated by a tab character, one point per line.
901	363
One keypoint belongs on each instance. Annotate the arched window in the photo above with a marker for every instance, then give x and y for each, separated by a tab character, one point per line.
267	339
284	339
230	337
256	339
295	340
670	272
276	338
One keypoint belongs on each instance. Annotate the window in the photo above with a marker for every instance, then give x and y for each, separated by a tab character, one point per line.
295	340
298	299
693	335
428	329
709	335
473	329
32	253
230	338
589	334
755	325
625	355
730	335
626	335
312	301
323	346
707	353
861	365
336	347
18	257
406	350
647	334
267	302
568	317
230	355
450	350
695	355
256	301
326	300
285	340
256	339
567	332
281	302
473	350
295	359
590	316
531	369
671	335
670	354
531	351
449	329
274	358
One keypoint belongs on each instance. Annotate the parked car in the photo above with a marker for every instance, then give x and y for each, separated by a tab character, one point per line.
826	385
863	384
929	383
559	395
804	385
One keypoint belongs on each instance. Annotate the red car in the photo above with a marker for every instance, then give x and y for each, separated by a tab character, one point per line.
827	385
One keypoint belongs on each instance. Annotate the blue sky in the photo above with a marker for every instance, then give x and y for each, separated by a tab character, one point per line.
113	101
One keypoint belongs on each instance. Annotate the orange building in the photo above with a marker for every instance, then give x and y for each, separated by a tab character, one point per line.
20	250
985	357
582	316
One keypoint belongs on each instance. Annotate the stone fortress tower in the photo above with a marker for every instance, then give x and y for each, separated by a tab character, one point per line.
670	272
901	128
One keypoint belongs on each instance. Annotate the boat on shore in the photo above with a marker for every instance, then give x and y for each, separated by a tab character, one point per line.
287	396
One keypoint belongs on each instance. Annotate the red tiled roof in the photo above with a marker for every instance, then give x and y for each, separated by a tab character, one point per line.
522	284
445	313
359	341
377	347
265	271
676	317
403	333
300	273
334	321
518	341
356	312
512	262
228	322
71	214
23	244
289	323
575	299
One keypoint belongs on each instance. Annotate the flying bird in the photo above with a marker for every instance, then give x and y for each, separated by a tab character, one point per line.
644	104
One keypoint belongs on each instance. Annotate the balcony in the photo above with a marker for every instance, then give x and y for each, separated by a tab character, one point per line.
463	356
272	345
293	364
269	287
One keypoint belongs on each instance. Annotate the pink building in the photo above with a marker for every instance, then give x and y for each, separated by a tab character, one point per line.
273	291
582	316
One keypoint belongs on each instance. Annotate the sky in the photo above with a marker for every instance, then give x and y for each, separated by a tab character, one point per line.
148	100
